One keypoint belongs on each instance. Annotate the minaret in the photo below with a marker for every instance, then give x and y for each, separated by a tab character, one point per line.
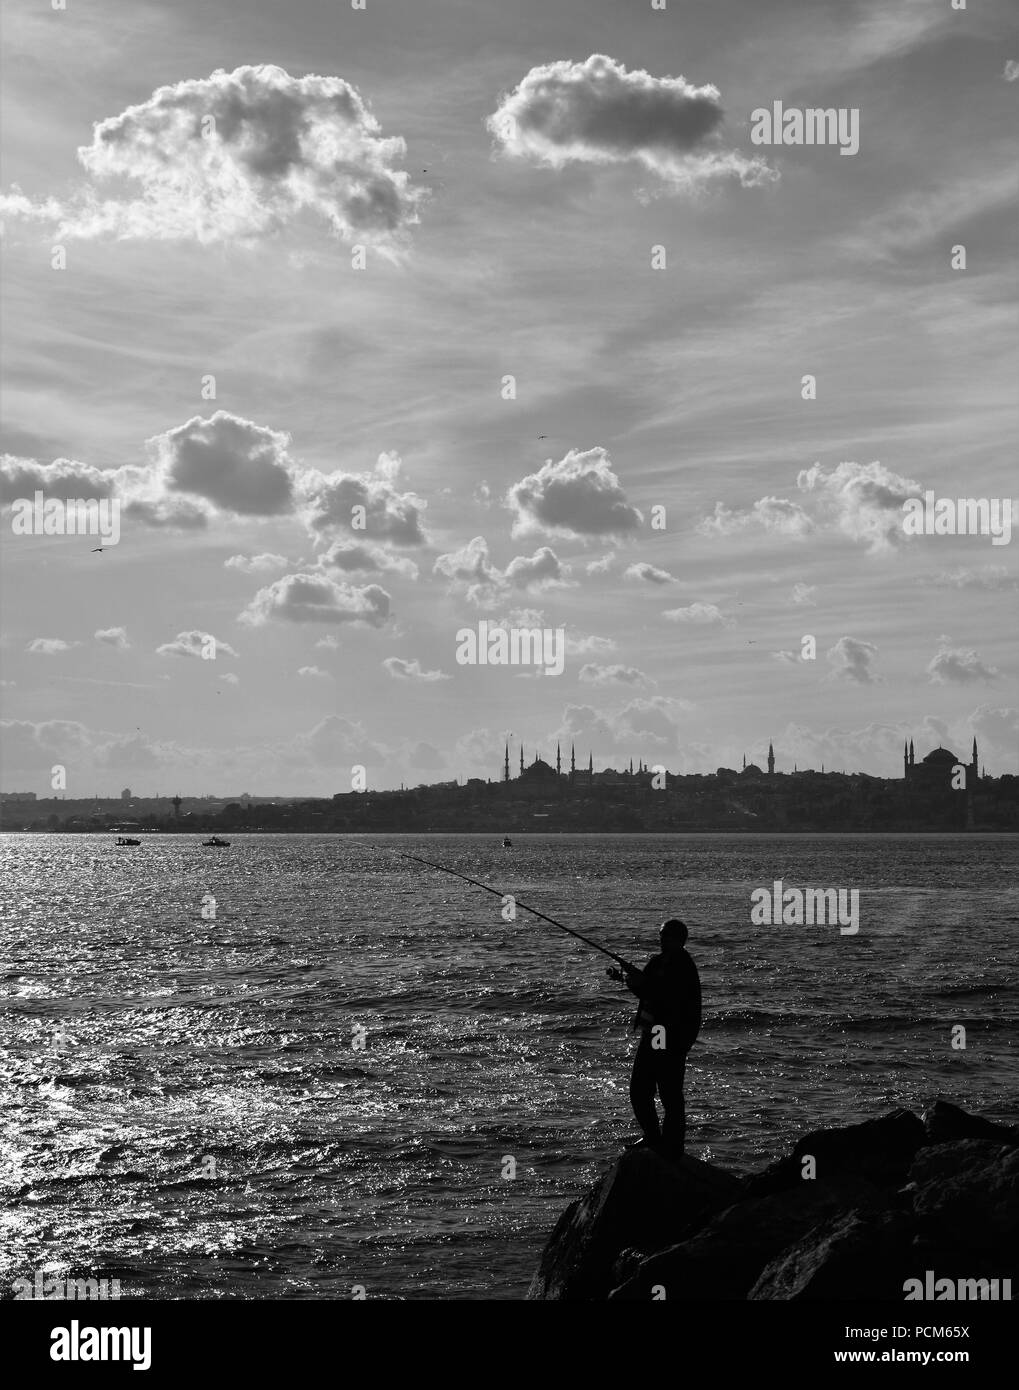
912	755
573	761
631	767
521	760
975	764
590	765
558	762
744	762
905	758
505	770
771	760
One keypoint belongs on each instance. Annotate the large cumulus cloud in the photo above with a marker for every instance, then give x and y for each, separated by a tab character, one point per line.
236	156
390	515
471	569
578	497
598	112
315	598
862	501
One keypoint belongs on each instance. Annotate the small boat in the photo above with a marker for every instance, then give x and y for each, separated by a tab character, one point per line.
121	841
507	843
216	843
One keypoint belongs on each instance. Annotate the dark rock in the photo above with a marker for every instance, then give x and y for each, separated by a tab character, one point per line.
878	1150
886	1206
645	1201
726	1257
944	1122
855	1255
967	1193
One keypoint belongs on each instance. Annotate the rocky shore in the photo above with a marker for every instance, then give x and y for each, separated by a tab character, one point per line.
851	1213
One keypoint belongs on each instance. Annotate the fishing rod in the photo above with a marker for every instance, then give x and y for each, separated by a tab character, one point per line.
533	910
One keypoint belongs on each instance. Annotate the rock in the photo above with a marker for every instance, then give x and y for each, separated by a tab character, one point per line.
944	1122
726	1257
967	1194
855	1255
878	1150
645	1201
887	1205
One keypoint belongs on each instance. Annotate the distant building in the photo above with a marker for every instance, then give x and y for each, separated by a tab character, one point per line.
17	796
125	795
934	773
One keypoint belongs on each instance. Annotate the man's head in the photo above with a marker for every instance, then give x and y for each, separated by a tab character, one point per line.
673	935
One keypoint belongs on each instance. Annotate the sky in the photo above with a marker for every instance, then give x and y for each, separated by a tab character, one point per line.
514	280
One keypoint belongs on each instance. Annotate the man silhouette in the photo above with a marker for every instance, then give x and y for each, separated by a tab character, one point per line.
669	1019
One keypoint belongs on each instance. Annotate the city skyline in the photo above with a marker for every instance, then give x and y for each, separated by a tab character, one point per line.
636	378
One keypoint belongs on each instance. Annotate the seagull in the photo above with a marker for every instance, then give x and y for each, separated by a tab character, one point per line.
542	436
98	550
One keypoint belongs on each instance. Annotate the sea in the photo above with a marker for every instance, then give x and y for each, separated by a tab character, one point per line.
303	1067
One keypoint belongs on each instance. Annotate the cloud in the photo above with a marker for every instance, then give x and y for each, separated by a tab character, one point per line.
597	112
471	569
956	666
389	515
425	755
542	570
804	594
601	566
588	646
113	637
775	514
354	557
699	613
195	643
231	462
643	722
315	598
63	478
49	646
238	156
411	670
230	678
863	501
997	727
256	564
169	513
578	497
989	577
1011	72
593	674
649	574
314	673
328	642
852	660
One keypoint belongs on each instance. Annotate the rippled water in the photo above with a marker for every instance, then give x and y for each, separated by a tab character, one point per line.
185	1107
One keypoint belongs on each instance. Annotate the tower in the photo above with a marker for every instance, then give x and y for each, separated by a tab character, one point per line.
590	765
573	761
974	766
771	759
905	758
176	807
558	762
521	760
744	762
912	754
505	768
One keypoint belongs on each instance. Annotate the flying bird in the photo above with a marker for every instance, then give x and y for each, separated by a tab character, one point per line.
98	550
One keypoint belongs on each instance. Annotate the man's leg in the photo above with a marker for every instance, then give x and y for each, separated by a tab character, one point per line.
671	1075
642	1090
